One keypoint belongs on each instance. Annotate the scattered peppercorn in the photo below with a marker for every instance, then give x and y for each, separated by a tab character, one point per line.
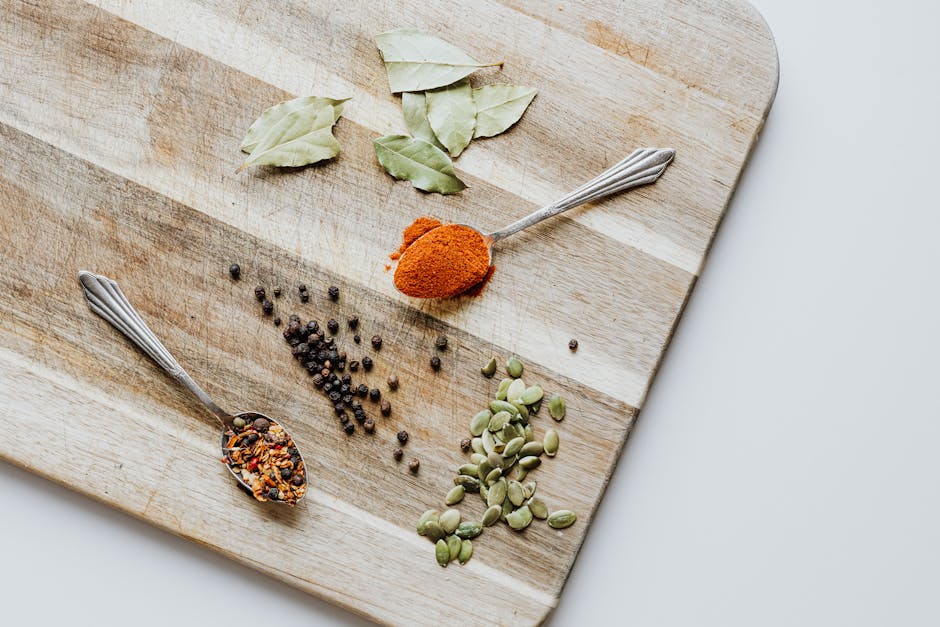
402	437
332	325
259	293
357	338
465	445
413	465
353	366
573	344
393	382
369	425
376	342
441	342
349	428
367	363
285	473
302	287
375	394
272	494
398	454
277	292
333	292
362	390
353	322
297	480
435	363
267	307
277	321
235	270
385	408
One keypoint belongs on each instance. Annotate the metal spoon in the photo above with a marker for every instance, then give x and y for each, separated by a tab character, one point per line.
106	299
642	167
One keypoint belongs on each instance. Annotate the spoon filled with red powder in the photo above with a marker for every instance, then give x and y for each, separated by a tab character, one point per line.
439	260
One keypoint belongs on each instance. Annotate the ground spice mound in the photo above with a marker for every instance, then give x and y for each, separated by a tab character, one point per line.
446	261
415	230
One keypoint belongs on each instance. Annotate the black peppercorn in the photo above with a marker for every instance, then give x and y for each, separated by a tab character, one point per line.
327	387
277	292
392	382
335	395
402	437
332	325
355	404
333	292
346	379
357	338
362	390
573	344
349	428
347	398
259	293
413	465
267	307
360	416
353	322
369	425
441	342
294	318
385	408
277	321
435	363
465	445
252	438
298	480
317	379
367	363
304	297
235	270
285	473
339	408
376	342
374	394
398	454
313	326
353	366
302	287
272	494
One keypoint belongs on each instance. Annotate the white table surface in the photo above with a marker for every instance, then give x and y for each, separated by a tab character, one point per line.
786	467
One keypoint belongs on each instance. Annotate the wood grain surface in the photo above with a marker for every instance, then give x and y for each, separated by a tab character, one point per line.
120	122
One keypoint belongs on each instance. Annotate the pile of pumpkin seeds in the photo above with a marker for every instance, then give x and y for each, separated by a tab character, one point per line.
503	442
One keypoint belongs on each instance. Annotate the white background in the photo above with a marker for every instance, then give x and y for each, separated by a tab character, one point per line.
785	469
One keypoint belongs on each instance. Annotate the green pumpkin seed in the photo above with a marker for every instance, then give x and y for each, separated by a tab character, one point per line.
532	395
449	520
550	442
489	369
514	367
529	489
442	553
470	484
515	390
556	407
476	445
561	519
432	529
519	519
491	515
495	460
453	547
538	508
509	433
505	510
493	476
523	416
529	433
530	462
515	492
521	475
513	446
479	422
499	420
497	493
485	470
489	443
477	458
455	495
535	407
501	390
466	547
532	448
468	469
431	514
497	405
469	529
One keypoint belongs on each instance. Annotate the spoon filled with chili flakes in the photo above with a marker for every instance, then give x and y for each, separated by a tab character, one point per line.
258	451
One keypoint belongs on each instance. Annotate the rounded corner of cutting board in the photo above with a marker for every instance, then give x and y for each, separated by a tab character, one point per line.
773	57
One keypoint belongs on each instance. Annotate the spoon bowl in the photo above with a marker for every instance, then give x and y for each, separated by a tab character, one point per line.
106	299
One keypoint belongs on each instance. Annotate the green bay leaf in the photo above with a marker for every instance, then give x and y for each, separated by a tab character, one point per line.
452	115
299	138
499	106
272	115
414	109
416	61
424	165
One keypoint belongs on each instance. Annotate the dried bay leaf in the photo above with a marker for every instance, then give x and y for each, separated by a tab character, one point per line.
452	115
300	137
499	106
275	114
414	109
424	165
417	61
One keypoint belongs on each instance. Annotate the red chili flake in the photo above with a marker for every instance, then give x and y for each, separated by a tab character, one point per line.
252	463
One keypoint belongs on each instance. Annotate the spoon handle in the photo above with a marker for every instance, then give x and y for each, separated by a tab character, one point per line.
107	300
643	166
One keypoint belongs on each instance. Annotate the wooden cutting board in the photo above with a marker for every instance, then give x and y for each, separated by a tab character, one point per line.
120	124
